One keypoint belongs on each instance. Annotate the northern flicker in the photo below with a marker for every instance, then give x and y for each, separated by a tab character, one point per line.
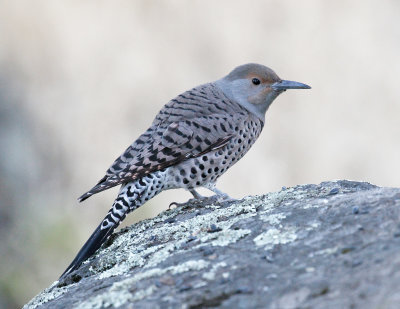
192	141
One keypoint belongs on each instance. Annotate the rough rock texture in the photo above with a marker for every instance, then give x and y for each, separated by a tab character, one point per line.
333	245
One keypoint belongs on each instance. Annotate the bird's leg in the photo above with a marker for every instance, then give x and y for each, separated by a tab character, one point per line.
219	195
196	194
218	192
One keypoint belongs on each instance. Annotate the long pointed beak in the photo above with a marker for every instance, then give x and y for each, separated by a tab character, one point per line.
288	84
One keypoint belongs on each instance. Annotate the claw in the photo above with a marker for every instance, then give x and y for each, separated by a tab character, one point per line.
192	200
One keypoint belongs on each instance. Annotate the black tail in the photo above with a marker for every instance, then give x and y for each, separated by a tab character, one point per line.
98	237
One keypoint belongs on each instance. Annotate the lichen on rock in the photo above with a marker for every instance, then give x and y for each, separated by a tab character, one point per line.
303	245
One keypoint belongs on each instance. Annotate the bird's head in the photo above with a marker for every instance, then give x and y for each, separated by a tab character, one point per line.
255	87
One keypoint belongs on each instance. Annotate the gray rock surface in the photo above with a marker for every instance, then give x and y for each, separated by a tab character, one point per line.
332	245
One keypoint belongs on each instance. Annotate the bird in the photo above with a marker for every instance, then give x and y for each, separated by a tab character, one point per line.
194	139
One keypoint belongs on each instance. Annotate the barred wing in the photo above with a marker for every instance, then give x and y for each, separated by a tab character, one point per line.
165	146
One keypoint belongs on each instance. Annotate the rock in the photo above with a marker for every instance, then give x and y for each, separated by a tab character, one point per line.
332	245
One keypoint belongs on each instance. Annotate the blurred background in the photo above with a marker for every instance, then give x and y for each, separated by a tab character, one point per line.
80	80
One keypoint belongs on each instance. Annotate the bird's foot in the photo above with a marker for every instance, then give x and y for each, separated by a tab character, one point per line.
203	200
223	197
193	202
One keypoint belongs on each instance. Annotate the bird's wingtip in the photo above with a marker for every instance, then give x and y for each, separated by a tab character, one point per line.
84	197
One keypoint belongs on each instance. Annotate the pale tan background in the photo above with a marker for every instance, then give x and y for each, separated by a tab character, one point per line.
80	80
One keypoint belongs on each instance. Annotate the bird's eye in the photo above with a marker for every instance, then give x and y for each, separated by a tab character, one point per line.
255	81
